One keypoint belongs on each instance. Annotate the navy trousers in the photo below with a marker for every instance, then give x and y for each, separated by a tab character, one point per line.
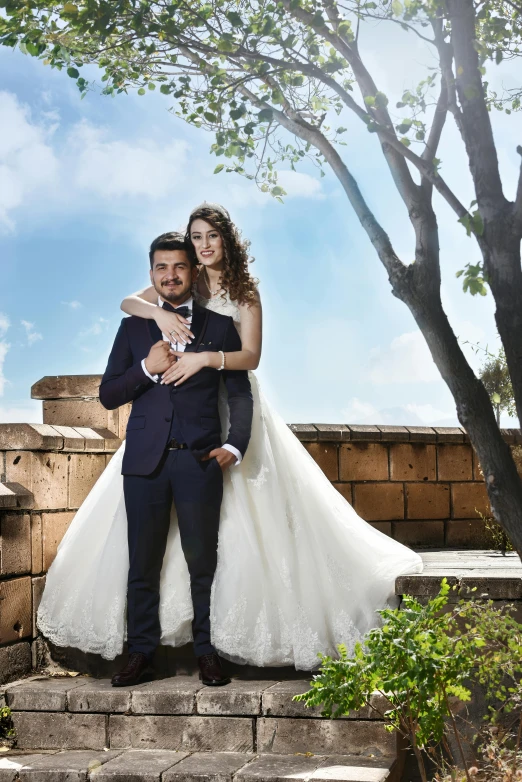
196	488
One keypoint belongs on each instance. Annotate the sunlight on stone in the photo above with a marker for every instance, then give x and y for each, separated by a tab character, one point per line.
350	774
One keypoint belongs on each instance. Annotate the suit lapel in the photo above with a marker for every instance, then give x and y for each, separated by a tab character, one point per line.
154	331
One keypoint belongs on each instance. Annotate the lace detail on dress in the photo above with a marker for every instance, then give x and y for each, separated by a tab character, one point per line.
222	304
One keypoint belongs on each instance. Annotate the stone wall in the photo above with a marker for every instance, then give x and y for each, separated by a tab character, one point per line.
420	485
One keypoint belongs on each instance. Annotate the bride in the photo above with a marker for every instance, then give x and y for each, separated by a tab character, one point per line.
298	571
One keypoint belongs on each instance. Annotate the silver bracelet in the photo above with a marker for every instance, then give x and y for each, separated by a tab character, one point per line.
222	361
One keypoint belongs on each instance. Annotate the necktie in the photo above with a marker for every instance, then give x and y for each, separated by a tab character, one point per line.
184	312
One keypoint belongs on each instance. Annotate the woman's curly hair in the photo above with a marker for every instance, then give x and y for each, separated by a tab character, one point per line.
235	279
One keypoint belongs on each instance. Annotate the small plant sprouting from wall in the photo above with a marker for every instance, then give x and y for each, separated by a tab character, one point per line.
7	731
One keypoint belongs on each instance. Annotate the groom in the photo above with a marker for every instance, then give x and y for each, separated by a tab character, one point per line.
173	453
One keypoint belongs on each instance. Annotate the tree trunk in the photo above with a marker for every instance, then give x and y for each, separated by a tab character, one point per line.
474	409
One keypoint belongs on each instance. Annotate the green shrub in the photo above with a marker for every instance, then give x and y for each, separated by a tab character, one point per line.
425	659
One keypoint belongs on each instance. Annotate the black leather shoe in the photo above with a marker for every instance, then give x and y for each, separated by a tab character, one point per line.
211	672
133	673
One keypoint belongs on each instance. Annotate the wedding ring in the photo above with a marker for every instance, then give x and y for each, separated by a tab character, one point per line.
172	334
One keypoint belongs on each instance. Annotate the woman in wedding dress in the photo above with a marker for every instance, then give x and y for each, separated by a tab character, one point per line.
298	571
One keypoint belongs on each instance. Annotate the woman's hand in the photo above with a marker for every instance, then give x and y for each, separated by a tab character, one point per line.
186	366
175	328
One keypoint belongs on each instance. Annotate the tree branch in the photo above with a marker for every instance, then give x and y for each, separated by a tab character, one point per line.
377	235
517	210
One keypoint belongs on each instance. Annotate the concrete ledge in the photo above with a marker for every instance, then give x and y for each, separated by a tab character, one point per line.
491	575
66	387
44	437
391	434
14	495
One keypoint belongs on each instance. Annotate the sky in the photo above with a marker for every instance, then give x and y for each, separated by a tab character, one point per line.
85	185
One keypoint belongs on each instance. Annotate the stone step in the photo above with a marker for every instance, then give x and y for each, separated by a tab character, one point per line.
183	715
159	765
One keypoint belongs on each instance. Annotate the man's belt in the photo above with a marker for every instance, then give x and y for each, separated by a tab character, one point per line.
173	445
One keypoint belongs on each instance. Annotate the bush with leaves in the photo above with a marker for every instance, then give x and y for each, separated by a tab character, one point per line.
7	732
425	659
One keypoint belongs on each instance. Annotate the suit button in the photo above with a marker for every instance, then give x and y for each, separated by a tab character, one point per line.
168	420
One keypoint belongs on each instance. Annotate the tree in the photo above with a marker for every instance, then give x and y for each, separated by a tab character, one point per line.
252	69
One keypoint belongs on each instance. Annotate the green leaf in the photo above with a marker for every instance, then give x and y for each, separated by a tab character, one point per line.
70	8
73	73
265	115
397	8
219	168
141	91
165	89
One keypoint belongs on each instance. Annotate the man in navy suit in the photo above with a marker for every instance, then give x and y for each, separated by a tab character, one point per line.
173	453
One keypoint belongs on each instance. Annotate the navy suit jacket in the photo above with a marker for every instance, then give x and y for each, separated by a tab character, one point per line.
195	402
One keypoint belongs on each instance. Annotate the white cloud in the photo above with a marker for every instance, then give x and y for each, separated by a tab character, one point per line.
32	335
298	185
74	305
98	327
27	161
114	168
4	347
406	360
409	414
25	414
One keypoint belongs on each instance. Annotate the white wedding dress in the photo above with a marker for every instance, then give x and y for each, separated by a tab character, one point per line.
298	571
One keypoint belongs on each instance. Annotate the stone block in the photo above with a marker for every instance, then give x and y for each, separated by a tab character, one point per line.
80	412
54	527
12	763
44	474
84	471
379	501
36	543
98	696
59	730
237	698
278	701
449	434
363	462
94	441
304	432
188	734
383	526
467	533
346	490
422	434
111	441
66	387
29	437
332	432
427	500
72	440
14	495
419	533
394	433
454	462
283	735
42	694
15	544
364	432
166	696
468	499
38	585
15	660
356	769
326	456
15	609
146	765
276	768
77	765
412	462
207	767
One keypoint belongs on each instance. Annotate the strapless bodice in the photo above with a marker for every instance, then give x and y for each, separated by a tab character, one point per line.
222	304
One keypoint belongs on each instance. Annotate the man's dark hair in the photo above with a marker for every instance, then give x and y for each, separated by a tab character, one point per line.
170	241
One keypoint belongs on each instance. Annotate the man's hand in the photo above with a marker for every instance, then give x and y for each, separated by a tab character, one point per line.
223	457
160	358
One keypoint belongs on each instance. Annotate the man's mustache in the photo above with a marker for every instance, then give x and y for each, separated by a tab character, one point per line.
177	281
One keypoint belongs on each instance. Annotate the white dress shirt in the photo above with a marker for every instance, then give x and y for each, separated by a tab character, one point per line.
180	347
